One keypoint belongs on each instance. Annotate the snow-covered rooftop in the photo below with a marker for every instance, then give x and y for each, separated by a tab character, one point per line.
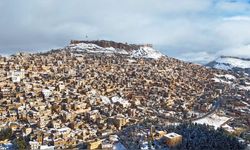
213	120
172	135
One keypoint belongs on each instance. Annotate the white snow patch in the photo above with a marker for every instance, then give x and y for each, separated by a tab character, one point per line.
46	92
227	76
247	88
213	120
146	52
105	99
131	60
221	81
120	100
119	146
46	147
228	128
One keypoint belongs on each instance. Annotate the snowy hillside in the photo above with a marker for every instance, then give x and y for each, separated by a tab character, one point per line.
93	48
228	63
142	51
146	52
231	62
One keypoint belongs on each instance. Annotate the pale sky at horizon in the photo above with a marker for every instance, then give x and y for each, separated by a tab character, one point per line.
193	30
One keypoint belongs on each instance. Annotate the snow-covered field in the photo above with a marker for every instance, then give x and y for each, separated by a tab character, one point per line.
213	120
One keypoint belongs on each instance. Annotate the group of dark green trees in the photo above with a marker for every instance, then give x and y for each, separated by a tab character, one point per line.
19	143
5	134
204	137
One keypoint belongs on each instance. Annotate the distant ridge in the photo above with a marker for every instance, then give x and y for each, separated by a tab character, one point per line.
247	59
231	63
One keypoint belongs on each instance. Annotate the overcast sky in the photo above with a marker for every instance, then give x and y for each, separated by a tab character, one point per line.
196	30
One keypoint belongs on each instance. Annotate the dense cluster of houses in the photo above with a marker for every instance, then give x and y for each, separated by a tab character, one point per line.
64	99
236	101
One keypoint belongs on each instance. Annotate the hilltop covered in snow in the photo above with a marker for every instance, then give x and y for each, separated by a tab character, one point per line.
110	47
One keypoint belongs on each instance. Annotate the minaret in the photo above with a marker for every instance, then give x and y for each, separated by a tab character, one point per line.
150	137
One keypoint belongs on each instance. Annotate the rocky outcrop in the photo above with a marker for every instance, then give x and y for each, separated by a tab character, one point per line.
116	45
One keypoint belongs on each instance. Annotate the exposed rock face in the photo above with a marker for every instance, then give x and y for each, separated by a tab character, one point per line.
105	44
